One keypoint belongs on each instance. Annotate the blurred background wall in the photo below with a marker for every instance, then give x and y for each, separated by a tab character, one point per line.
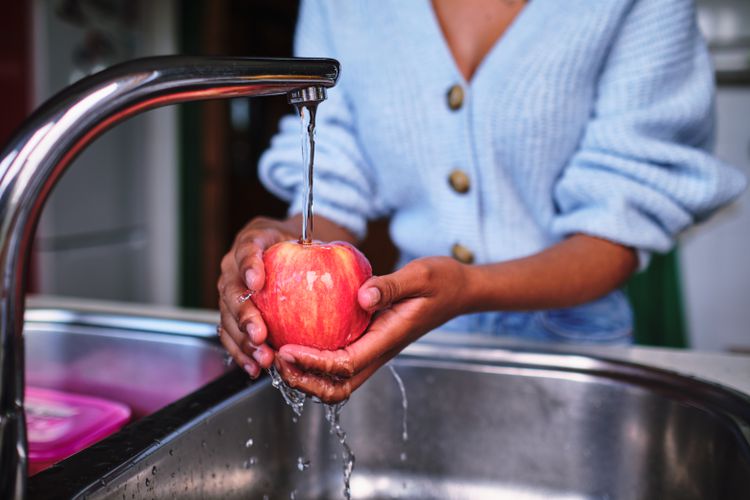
146	212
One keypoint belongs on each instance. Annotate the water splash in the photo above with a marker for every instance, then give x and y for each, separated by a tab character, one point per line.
333	415
296	401
294	398
249	443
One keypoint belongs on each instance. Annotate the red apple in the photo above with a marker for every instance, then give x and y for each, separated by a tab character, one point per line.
310	294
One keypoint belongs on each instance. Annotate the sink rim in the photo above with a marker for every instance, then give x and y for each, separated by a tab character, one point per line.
106	460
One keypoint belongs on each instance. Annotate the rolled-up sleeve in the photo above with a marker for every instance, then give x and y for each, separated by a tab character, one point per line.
643	171
344	183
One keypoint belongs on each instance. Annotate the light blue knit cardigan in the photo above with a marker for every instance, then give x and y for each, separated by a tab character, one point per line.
585	117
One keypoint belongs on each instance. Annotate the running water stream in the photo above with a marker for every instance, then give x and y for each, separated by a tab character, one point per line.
404	405
293	397
333	415
307	113
296	401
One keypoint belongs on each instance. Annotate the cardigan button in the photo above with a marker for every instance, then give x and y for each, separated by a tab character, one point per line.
459	181
462	254
455	97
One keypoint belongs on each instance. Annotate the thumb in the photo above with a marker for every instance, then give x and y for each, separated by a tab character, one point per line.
379	292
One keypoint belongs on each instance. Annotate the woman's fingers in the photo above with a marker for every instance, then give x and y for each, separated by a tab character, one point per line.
385	334
327	389
251	354
379	292
229	343
264	355
234	298
249	261
240	338
248	253
336	363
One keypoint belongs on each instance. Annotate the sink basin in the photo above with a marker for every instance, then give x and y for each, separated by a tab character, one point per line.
143	362
483	422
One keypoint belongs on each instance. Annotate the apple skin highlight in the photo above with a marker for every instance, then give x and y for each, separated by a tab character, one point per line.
310	294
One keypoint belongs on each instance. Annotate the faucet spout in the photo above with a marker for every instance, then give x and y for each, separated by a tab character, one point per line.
307	95
61	128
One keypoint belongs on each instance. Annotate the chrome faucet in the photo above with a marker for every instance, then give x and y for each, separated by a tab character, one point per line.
61	128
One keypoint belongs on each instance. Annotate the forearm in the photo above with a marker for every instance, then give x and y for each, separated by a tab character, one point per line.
574	271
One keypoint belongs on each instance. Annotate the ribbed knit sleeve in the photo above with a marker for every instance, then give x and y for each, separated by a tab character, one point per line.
344	187
642	172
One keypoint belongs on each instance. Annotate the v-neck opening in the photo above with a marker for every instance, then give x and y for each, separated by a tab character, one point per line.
497	45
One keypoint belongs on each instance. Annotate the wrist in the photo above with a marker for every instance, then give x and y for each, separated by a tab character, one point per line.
470	288
482	288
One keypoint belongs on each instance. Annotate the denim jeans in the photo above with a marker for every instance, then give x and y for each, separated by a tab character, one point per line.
606	321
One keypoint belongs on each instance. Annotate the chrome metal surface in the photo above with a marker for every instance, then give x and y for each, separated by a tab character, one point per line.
307	95
483	422
145	363
45	145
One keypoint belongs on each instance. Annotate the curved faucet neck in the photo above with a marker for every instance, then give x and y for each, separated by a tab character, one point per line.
51	138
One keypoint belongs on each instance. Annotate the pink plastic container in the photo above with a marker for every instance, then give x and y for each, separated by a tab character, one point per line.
61	424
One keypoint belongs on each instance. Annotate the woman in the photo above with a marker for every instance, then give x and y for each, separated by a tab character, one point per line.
531	156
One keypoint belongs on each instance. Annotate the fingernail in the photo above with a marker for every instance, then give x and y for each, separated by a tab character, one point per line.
258	355
372	296
286	357
250	276
251	370
252	331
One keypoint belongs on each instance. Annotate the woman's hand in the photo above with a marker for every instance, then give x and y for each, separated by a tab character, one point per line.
411	301
428	292
242	330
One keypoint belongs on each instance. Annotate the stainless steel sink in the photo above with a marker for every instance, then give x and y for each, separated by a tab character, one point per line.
483	422
144	362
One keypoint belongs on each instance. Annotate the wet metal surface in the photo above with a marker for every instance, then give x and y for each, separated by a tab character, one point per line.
483	423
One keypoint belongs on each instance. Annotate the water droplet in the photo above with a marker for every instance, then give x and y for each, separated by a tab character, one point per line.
302	464
171	452
249	443
403	456
293	495
148	482
153	470
295	420
249	420
203	444
220	432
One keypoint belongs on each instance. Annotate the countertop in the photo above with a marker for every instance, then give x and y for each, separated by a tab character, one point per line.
726	369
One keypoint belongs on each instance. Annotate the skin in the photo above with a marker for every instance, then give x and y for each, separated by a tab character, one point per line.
427	292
